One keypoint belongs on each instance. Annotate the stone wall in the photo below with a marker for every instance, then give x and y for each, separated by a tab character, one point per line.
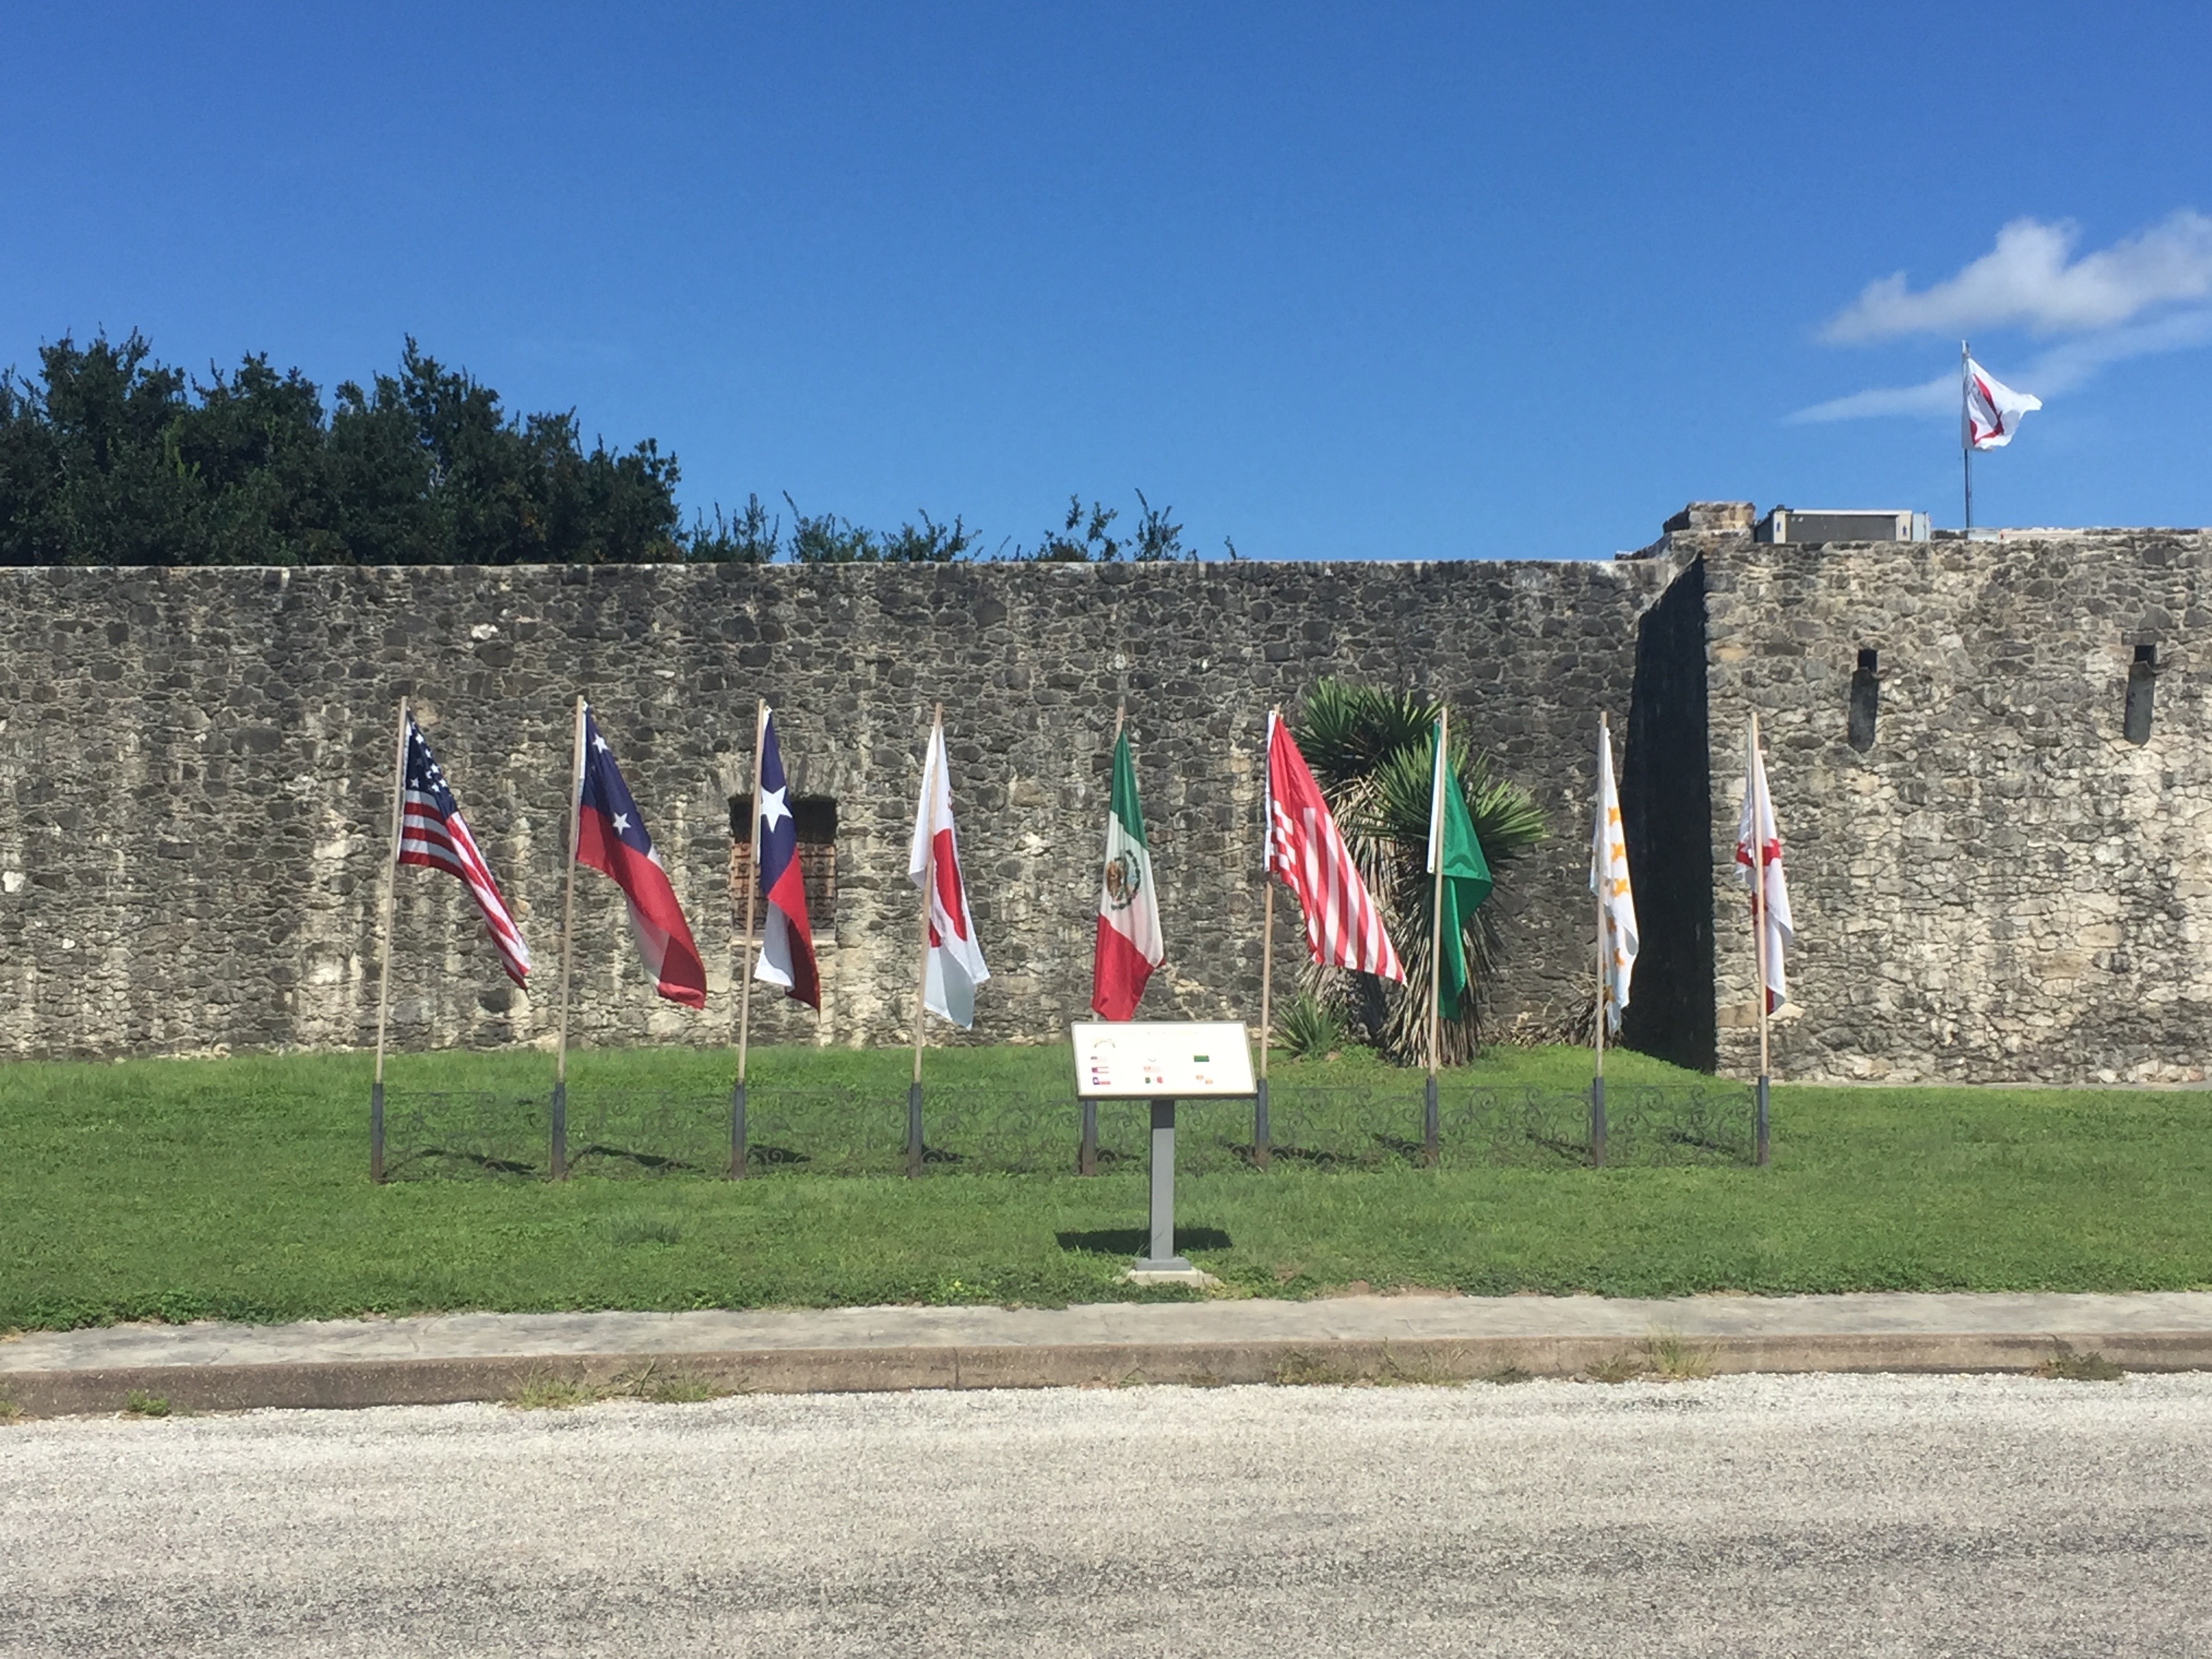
2002	886
195	777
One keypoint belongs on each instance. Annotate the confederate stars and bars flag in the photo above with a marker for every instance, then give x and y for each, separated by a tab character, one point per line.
1343	928
787	952
610	838
432	834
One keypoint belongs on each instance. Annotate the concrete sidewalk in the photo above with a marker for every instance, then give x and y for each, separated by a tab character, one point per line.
452	1357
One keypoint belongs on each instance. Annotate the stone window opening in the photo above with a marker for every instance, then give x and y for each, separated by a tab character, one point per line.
816	819
1866	701
2142	678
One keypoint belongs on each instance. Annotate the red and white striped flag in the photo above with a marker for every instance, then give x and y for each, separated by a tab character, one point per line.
432	834
1343	928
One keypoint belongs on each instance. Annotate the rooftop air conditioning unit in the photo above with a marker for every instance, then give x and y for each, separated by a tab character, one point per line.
1789	523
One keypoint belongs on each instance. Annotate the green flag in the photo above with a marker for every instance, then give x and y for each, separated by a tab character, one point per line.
1456	861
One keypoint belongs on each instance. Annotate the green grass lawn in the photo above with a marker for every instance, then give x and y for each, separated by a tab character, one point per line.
238	1188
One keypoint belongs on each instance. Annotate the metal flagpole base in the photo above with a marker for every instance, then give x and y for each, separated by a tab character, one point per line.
376	1132
560	1132
1262	1135
914	1128
737	1153
1760	1122
1429	1125
1597	1123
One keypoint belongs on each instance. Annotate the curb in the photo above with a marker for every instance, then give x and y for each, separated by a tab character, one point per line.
346	1384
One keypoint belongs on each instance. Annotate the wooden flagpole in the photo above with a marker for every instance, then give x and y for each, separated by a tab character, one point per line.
1752	770
1086	1144
1601	879
1966	434
1261	1130
745	955
560	1164
921	980
1429	1115
384	948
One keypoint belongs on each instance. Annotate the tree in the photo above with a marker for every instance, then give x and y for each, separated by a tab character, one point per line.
1373	753
110	457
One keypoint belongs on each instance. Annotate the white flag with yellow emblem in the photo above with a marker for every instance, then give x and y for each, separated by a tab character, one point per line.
1616	904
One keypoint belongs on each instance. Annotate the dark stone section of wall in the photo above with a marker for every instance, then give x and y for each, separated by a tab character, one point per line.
195	768
2001	886
1666	798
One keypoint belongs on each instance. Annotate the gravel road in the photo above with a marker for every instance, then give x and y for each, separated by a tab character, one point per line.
1785	1516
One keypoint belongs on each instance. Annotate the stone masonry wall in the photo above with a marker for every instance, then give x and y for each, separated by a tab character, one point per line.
2002	886
194	776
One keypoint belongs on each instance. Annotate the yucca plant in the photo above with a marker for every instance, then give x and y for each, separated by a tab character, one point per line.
1372	753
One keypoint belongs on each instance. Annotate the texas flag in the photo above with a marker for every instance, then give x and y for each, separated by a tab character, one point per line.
787	952
955	966
610	838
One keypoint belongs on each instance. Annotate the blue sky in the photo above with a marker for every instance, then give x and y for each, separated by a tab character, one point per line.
1396	281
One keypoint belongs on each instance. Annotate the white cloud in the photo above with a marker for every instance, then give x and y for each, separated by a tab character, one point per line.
2062	368
2027	280
1937	397
2100	300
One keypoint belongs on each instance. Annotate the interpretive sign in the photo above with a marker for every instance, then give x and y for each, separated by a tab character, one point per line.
1162	1059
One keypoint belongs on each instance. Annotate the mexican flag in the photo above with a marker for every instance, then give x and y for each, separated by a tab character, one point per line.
1128	946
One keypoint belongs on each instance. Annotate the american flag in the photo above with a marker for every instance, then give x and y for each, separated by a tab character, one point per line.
1343	928
432	833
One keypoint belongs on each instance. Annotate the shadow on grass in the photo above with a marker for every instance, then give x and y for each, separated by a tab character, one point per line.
427	1159
1135	1241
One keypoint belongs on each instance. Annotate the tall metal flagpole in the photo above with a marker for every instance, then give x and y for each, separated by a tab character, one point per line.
1759	934
745	956
1601	879
1262	1130
1429	1127
922	980
568	936
1965	432
384	949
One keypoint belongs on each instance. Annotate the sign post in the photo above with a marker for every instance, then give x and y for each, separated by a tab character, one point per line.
1162	1062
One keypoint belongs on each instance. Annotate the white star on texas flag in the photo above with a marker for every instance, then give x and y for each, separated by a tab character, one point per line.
773	811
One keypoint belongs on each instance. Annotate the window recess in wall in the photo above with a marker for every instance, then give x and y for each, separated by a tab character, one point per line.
2142	678
1866	702
816	819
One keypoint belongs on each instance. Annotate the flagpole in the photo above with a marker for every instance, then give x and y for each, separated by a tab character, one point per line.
1965	435
384	949
1753	769
1429	1126
745	956
568	936
1601	879
1263	1152
921	982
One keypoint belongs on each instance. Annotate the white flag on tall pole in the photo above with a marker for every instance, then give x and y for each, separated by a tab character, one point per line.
1759	847
1609	881
1993	408
955	966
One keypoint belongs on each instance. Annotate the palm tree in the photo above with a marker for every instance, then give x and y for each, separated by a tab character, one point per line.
1372	752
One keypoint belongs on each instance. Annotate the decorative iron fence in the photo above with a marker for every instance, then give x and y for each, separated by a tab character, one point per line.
1015	1131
